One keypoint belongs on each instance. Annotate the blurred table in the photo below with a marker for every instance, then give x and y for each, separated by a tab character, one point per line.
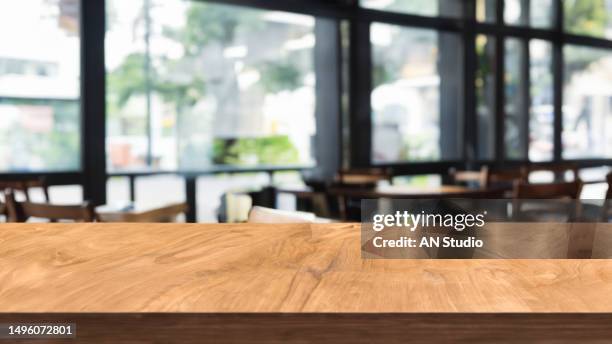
383	191
137	212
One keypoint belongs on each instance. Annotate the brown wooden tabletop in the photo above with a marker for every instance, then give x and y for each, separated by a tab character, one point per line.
256	273
269	268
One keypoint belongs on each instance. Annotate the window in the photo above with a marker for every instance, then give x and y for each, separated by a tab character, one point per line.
534	13
415	95
39	85
485	97
444	8
589	17
515	83
541	120
587	108
195	84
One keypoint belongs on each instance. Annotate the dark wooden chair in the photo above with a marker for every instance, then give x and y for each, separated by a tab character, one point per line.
487	178
3	210
607	206
504	178
349	208
560	199
22	211
25	185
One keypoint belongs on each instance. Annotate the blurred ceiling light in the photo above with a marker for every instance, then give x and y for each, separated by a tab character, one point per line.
377	4
304	42
289	18
236	52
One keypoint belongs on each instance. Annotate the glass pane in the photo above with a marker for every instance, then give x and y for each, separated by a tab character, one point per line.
588	17
416	94
225	85
587	108
541	126
515	83
534	13
485	96
514	13
486	11
444	8
39	85
541	14
126	85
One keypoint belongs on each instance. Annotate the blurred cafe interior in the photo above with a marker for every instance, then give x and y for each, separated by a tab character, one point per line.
295	110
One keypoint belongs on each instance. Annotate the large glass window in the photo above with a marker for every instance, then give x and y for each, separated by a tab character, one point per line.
515	83
541	120
445	8
485	97
416	94
39	85
195	84
587	109
588	17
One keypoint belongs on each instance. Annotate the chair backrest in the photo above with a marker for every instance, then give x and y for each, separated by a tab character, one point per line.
546	194
25	186
3	210
22	211
570	190
268	215
607	205
609	180
505	177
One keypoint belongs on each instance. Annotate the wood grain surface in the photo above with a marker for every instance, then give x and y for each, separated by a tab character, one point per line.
294	268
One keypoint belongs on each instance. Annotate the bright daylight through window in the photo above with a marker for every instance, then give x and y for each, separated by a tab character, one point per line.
192	85
39	85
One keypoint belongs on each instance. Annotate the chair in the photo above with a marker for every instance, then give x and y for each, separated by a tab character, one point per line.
22	211
504	178
364	178
487	178
563	195
3	209
25	186
605	216
268	215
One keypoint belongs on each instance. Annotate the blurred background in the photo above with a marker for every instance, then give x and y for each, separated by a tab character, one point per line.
221	105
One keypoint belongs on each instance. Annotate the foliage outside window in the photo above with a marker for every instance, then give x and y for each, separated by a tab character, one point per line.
588	17
199	84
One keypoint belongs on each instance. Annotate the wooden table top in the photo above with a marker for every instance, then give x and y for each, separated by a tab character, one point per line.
269	268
